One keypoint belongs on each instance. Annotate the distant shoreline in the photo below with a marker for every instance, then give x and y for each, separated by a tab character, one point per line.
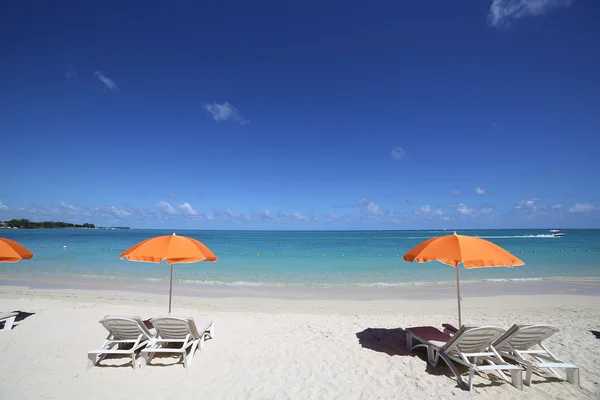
24	223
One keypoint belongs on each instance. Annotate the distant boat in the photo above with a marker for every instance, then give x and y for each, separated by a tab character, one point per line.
557	233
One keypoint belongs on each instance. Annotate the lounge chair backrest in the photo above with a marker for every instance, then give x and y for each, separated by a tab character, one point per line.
472	339
523	337
125	328
169	327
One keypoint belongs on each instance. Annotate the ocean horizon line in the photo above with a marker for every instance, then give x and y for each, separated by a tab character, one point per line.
337	230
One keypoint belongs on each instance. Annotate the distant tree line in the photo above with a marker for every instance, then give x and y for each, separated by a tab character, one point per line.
27	224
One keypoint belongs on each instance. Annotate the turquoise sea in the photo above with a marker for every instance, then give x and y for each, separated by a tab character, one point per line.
313	258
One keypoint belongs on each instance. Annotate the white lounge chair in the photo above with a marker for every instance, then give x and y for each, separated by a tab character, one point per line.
9	319
126	336
173	330
467	346
518	344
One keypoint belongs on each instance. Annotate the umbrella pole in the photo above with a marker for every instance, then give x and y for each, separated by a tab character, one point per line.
457	292
171	289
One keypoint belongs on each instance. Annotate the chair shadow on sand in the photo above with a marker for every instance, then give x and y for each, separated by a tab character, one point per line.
393	343
596	333
21	316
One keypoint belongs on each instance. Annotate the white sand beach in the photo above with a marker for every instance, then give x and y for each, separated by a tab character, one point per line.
273	348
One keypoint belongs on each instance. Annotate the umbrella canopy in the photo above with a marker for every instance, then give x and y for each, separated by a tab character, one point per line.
172	248
454	249
11	251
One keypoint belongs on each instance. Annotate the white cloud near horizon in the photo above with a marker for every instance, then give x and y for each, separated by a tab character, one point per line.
187	209
479	191
398	153
109	83
582	207
224	112
463	209
526	204
502	12
365	212
456	192
427	211
165	208
372	209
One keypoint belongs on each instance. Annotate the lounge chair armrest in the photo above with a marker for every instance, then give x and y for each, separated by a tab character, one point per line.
449	329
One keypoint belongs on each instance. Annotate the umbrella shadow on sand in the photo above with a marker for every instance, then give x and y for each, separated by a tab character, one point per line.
393	343
21	316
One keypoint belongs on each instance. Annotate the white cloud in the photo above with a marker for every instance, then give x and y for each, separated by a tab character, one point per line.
557	206
165	208
3	206
289	216
398	153
112	211
582	207
224	112
486	210
479	191
503	11
464	210
427	211
71	75
456	192
336	217
371	208
526	204
374	209
187	209
109	83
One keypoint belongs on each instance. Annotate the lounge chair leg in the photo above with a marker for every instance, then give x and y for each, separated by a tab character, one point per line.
528	373
517	378
450	365
91	360
471	375
212	330
133	361
573	376
190	357
409	341
143	359
431	356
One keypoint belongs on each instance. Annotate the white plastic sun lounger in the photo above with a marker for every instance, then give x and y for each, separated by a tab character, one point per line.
174	330
467	346
9	319
518	344
126	336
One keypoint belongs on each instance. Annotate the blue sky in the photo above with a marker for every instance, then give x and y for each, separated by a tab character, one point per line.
301	115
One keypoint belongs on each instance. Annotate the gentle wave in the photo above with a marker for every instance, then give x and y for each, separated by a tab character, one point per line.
545	236
376	284
519	237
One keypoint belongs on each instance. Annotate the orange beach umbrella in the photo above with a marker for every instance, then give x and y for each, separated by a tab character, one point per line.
11	251
454	249
172	248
